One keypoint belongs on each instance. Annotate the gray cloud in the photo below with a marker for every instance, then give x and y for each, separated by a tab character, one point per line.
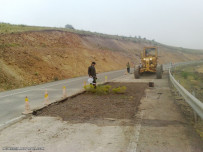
173	22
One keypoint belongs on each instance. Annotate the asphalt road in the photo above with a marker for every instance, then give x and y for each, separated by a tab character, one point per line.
12	102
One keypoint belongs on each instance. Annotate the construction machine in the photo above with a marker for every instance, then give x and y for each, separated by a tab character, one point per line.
149	63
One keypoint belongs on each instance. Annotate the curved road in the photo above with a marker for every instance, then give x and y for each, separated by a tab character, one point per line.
12	102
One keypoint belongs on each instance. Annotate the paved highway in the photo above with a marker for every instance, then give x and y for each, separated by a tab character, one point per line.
12	102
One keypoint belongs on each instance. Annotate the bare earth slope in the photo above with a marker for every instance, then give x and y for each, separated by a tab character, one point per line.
29	58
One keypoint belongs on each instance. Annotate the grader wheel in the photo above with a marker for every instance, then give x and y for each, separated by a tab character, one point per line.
159	71
137	72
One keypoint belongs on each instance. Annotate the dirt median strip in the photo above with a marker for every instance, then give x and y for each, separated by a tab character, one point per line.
92	123
88	107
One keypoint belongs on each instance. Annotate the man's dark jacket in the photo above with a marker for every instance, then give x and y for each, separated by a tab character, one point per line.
92	71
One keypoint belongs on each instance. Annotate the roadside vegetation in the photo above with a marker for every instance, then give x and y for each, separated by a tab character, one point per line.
191	78
6	28
105	89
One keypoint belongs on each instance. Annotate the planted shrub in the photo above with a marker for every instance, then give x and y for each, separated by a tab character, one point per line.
103	89
56	79
100	89
119	89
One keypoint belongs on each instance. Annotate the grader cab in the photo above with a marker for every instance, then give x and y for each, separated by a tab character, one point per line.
149	63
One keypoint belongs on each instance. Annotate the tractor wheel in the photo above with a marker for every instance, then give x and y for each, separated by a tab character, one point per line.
159	71
137	72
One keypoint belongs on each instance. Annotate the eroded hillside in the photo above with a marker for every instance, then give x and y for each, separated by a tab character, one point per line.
29	58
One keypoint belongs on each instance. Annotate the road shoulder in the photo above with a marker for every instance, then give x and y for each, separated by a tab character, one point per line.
163	127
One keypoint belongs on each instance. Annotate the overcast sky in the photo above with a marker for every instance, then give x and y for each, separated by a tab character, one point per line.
173	22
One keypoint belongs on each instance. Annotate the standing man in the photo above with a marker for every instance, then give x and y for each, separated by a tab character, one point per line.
140	65
128	67
92	73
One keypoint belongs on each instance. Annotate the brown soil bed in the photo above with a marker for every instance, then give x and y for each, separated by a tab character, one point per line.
88	106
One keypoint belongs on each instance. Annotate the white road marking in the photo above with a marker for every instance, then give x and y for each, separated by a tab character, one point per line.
51	85
11	121
38	89
135	138
45	87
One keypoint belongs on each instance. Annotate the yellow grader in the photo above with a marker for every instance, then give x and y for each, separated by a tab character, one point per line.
149	63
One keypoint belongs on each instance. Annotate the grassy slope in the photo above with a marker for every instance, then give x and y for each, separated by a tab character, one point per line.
191	78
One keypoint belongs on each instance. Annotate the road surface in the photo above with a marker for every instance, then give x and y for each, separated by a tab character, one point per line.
12	102
157	126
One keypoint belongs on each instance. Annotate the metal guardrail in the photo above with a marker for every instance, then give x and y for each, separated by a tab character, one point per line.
195	103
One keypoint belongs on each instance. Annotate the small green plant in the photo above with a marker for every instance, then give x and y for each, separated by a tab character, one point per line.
8	45
103	89
90	88
56	79
43	45
119	90
100	89
36	73
184	74
195	76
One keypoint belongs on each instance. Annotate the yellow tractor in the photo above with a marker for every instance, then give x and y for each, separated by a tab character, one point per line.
149	63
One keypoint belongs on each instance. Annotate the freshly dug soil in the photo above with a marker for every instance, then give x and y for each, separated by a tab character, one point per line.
88	106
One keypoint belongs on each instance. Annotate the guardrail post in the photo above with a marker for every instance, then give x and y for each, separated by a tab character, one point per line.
169	82
177	90
194	113
169	79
